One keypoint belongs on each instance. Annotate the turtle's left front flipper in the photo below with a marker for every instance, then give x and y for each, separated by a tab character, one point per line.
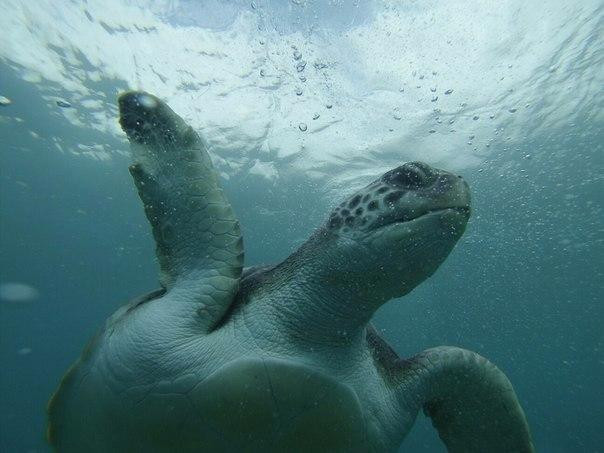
199	244
471	402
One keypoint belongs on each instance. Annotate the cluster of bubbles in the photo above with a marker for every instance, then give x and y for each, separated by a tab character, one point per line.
424	79
300	66
434	96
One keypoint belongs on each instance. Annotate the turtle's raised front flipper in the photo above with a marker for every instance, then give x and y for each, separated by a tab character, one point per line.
471	402
198	239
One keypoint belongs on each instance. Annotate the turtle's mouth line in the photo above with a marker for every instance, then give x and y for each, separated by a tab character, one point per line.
462	210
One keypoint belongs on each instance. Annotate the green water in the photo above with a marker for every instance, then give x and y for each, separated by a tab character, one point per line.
523	124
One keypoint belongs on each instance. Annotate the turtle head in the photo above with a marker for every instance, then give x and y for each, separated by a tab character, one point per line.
391	235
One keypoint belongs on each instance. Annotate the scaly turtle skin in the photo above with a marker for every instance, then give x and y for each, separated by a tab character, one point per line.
277	358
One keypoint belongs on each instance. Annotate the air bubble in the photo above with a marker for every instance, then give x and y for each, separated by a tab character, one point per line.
303	127
449	91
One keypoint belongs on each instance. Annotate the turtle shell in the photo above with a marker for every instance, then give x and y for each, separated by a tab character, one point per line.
261	404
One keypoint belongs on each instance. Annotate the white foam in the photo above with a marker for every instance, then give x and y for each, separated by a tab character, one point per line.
233	75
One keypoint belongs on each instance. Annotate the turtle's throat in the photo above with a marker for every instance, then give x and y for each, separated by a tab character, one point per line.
321	315
312	309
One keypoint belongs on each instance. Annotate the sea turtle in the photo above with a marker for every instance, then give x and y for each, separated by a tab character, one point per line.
277	358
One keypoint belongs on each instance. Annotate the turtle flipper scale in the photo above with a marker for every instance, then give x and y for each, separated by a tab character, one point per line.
471	402
198	238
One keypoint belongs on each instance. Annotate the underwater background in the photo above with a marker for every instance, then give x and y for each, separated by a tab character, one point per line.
302	102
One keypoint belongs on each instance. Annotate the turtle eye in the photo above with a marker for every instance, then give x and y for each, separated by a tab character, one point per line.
408	176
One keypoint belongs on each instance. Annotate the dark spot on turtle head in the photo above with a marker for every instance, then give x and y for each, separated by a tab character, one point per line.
349	221
354	202
358	212
366	198
393	197
372	206
345	212
383	189
335	222
410	175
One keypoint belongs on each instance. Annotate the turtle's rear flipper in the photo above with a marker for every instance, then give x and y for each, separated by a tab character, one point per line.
471	402
199	244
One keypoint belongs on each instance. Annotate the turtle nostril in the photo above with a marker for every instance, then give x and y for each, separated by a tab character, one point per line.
408	175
